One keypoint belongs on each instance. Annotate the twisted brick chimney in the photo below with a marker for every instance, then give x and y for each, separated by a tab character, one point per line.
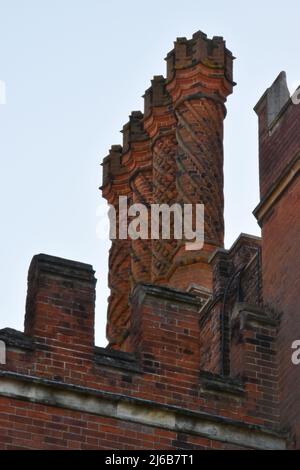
171	154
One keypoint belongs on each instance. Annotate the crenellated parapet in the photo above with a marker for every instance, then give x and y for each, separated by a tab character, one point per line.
58	390
204	58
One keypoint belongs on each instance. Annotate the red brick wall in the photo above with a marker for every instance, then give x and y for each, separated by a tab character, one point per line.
280	221
281	281
26	425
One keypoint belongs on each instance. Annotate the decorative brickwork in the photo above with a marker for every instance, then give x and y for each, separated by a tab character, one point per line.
160	123
173	155
199	353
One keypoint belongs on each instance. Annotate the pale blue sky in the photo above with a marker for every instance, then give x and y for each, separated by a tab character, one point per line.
74	69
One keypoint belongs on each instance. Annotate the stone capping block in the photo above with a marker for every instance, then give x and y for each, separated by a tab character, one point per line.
211	383
166	293
17	339
249	314
60	267
117	359
177	419
277	97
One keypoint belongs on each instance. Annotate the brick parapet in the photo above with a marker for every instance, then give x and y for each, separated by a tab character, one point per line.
162	371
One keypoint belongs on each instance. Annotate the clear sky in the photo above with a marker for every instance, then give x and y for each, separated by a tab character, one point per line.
74	70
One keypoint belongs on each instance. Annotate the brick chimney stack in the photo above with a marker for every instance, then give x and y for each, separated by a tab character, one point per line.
172	154
127	171
160	123
199	78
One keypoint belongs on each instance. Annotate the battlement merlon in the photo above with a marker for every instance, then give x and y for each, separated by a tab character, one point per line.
200	64
60	302
156	95
158	110
133	130
114	168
